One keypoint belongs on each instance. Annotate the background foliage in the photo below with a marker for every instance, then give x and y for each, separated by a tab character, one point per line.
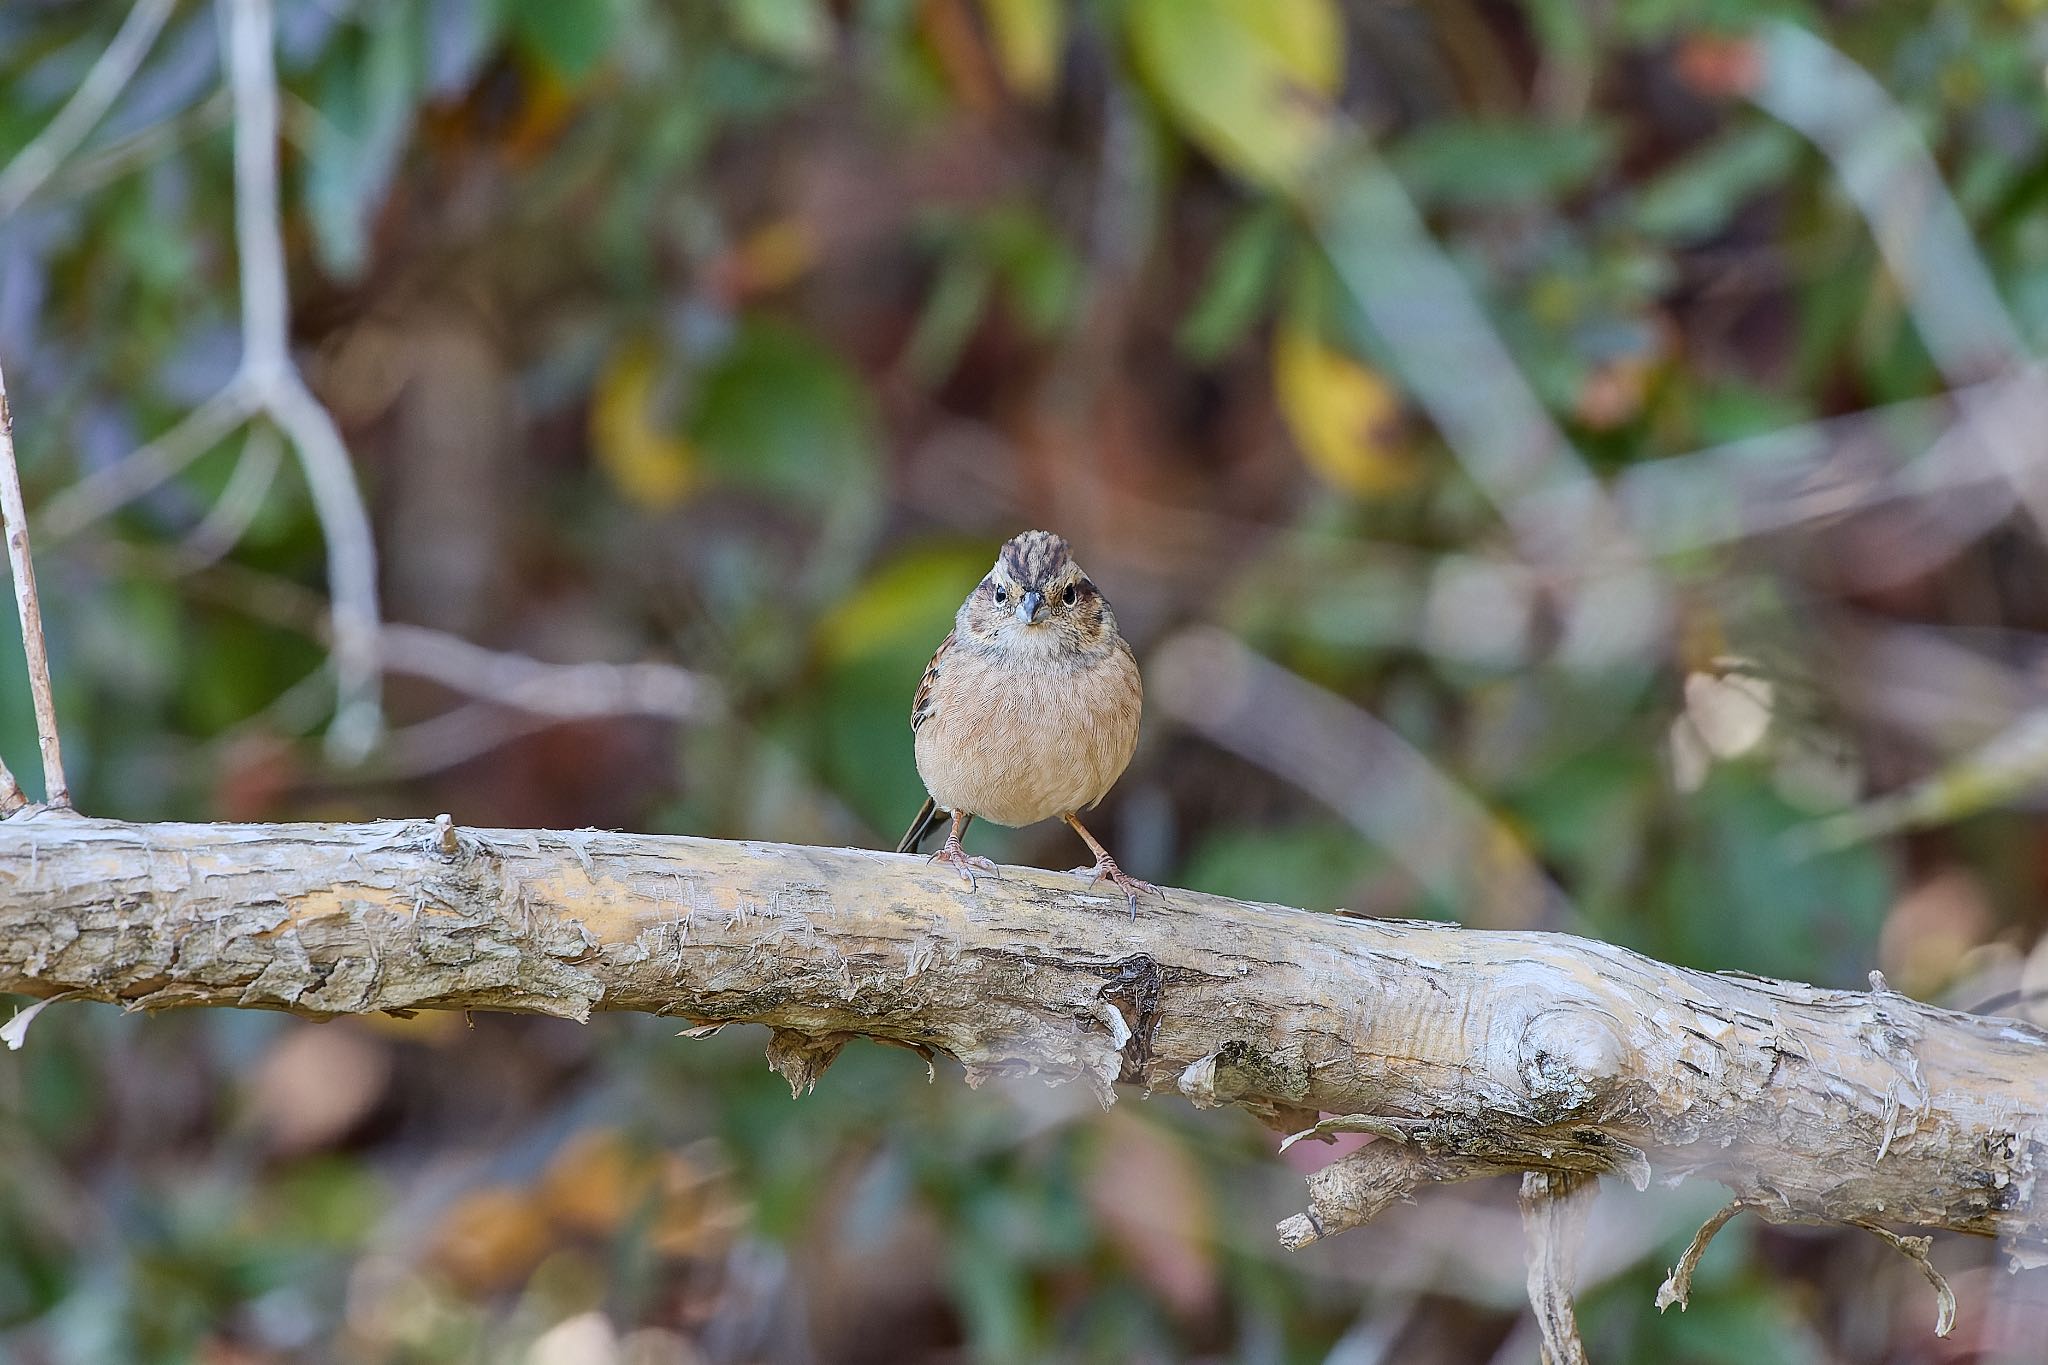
736	336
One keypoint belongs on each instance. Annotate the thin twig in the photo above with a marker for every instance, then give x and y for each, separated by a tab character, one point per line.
96	94
1555	1205
1677	1286
14	518
569	691
1916	1249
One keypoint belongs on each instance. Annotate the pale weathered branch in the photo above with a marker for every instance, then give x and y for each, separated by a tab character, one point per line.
1468	1052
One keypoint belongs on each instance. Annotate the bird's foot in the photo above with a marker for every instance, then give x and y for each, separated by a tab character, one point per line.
967	864
1105	867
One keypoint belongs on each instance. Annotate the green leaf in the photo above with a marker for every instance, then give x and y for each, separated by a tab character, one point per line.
1474	162
952	309
1240	281
794	31
1249	81
1740	895
567	36
367	102
780	412
1697	197
1041	276
1314	866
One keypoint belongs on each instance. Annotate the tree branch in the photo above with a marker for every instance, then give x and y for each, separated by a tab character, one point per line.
1555	1205
267	365
1469	1052
103	84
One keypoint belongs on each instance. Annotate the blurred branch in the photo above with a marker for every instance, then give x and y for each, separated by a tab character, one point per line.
96	94
1929	450
1358	766
1452	359
231	515
267	383
2010	765
150	464
14	522
1888	172
139	148
1470	1052
281	391
565	691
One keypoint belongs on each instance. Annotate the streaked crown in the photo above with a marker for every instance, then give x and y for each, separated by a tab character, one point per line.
1035	559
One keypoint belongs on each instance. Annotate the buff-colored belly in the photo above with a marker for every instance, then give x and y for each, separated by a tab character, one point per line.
1017	746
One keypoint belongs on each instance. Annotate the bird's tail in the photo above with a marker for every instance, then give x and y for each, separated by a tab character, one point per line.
927	815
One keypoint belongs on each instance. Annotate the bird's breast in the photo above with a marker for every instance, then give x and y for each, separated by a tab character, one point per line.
1017	743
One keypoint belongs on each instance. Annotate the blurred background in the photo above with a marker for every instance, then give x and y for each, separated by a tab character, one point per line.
1575	466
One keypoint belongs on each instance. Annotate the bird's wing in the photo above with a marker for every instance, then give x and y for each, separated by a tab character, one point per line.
923	705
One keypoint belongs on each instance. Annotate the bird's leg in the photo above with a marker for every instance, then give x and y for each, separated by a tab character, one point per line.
960	858
1105	866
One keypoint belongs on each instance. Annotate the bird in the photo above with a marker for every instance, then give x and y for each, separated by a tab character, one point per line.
1029	708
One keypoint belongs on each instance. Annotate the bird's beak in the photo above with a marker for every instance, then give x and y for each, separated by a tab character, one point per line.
1029	605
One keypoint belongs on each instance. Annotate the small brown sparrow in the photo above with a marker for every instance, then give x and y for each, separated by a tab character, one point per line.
1029	709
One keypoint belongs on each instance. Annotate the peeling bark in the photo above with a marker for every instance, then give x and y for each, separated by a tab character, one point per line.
1469	1053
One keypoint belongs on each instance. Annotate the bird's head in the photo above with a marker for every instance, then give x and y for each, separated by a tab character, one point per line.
1037	600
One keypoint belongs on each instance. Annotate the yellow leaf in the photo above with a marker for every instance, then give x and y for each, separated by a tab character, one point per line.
1027	40
1250	81
651	466
1345	418
905	605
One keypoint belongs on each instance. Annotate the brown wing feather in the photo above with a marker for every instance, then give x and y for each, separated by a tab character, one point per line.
922	706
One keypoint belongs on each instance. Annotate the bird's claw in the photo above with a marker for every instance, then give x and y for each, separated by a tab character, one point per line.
965	863
1106	868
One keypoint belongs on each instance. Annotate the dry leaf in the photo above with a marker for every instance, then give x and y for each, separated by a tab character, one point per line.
491	1238
1153	1205
1729	707
597	1181
1931	930
316	1083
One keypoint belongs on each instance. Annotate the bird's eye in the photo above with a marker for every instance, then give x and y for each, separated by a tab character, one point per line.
1070	596
1002	596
